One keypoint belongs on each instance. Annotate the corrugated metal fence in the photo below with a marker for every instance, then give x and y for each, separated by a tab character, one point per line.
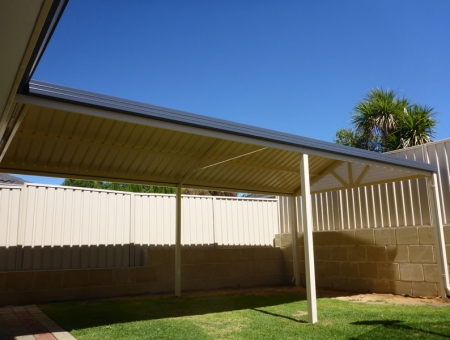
51	227
48	227
385	205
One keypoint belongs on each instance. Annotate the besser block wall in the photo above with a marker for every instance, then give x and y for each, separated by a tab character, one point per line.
390	260
385	260
202	268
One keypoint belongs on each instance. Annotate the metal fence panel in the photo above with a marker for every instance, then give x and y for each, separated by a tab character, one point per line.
153	220
53	227
385	205
197	218
245	221
68	227
9	226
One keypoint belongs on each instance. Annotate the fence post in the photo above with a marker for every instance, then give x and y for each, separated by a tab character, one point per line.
214	220
132	261
22	224
281	221
178	243
293	216
278	214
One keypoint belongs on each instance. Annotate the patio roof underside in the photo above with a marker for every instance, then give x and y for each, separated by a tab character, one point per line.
75	134
56	131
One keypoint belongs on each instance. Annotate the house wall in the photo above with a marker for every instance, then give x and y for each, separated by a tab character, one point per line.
202	268
383	260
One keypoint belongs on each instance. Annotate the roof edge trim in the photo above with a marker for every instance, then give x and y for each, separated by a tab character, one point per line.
53	17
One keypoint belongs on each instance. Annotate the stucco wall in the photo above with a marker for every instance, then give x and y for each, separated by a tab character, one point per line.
202	268
384	260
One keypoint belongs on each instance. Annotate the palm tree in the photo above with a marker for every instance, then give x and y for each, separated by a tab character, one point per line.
385	121
416	126
376	117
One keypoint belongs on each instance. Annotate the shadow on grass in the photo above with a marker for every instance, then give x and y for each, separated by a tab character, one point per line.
80	315
278	315
390	326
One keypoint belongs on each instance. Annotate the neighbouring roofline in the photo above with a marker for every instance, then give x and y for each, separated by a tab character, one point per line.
6	179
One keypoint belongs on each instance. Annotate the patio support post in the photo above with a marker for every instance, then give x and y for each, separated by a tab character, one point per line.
178	243
293	217
436	220
308	237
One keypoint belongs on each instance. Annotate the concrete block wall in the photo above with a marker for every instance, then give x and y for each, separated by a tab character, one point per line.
384	260
207	268
202	268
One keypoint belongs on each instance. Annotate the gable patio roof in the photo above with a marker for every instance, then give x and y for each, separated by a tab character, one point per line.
66	132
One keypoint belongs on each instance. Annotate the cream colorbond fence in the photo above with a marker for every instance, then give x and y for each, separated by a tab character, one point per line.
52	227
206	220
434	153
395	204
9	226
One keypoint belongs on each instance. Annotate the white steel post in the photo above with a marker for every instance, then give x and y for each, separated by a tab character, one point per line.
293	216
308	235
178	243
436	220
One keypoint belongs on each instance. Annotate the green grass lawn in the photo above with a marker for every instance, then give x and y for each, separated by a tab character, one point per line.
239	316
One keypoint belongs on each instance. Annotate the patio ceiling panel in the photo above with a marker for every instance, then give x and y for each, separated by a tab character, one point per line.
232	172
62	140
327	183
381	175
358	171
68	143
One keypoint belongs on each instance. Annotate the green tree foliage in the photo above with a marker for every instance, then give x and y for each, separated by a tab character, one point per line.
351	138
117	186
384	121
140	188
417	127
208	192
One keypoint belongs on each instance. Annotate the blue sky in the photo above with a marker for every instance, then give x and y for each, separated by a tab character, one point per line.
293	66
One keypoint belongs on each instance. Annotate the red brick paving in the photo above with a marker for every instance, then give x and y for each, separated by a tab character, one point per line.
27	323
33	326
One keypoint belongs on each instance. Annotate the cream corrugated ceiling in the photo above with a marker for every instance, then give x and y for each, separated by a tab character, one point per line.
78	140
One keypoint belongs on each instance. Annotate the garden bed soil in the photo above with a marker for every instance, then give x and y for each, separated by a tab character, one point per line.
370	298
